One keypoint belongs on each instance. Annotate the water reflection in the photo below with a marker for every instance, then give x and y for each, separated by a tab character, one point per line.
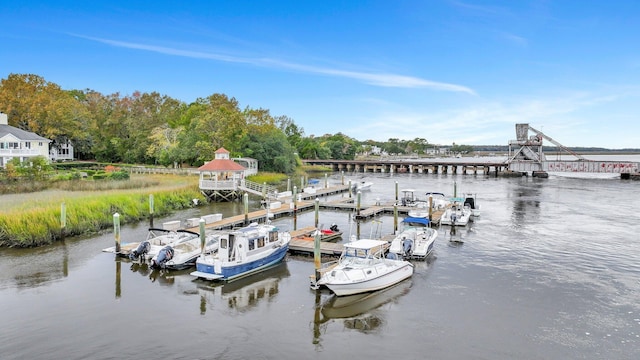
355	311
244	294
526	203
40	266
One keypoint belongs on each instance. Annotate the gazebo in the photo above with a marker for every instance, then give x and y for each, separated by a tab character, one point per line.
220	177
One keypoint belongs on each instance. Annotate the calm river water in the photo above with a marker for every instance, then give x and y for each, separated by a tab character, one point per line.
550	270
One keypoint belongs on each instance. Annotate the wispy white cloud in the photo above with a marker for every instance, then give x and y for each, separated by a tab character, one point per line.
376	79
561	116
515	39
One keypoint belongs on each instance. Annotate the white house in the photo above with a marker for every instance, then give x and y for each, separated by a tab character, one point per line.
61	152
18	143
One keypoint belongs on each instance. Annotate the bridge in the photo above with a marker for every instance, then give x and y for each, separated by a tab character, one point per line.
526	156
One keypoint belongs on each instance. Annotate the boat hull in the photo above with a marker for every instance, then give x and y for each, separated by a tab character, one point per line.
206	266
343	288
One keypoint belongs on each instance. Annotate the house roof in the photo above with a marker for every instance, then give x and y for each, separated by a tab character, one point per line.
20	134
221	165
222	151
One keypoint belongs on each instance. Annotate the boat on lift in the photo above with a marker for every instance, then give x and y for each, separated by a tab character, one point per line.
471	201
183	254
457	214
414	241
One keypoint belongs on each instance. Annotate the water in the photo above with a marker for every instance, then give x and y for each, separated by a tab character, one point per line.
550	270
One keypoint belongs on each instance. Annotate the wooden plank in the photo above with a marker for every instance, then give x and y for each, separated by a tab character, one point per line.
307	246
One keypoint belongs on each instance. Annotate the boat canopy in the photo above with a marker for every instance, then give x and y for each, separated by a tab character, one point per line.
364	244
416	221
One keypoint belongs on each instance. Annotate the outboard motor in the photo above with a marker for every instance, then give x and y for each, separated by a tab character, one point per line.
407	244
334	228
164	255
142	249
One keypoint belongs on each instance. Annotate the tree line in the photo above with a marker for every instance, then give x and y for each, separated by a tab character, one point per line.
151	128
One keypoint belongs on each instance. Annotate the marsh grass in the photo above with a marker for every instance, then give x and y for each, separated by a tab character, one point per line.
268	177
33	219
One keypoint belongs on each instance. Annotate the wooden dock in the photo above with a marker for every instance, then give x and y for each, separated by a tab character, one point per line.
299	245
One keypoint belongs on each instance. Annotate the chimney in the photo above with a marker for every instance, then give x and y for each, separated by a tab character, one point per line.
3	119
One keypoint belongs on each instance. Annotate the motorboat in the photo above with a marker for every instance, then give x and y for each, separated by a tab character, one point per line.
457	214
439	201
333	233
183	253
156	240
408	198
470	200
362	267
362	186
414	241
243	252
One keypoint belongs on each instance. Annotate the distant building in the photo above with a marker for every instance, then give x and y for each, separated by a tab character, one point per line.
61	152
18	143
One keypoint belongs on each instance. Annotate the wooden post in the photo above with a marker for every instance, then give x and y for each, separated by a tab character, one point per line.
202	235
116	231
246	209
288	184
295	207
264	190
317	210
396	192
395	218
150	210
316	253
342	178
295	199
63	220
430	208
349	189
359	197
326	182
455	189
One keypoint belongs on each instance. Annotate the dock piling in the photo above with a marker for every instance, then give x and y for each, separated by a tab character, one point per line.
116	230
317	211
202	236
151	210
245	199
316	253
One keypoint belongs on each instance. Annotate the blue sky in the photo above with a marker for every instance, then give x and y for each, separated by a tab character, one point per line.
444	70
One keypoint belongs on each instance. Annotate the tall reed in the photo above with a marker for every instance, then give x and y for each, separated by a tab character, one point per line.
85	215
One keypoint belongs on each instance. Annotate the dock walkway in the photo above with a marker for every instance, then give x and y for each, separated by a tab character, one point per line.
298	245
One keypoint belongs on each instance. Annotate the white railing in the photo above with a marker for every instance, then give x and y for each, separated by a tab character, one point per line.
218	184
18	152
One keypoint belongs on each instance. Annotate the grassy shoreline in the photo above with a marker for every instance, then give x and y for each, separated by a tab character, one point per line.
34	220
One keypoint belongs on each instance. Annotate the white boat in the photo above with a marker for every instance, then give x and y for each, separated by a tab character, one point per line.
244	252
457	214
156	240
362	186
470	200
438	200
362	268
183	253
414	241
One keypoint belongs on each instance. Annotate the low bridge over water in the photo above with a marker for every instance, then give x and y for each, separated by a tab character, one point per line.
526	156
419	166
